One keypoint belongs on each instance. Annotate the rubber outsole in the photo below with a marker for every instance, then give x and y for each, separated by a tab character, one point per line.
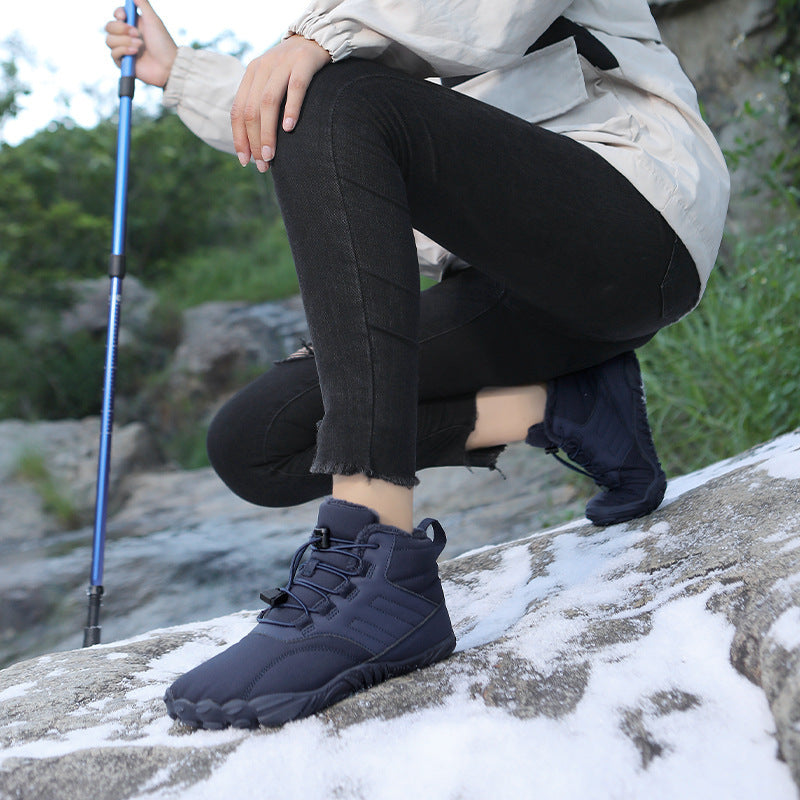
613	515
276	709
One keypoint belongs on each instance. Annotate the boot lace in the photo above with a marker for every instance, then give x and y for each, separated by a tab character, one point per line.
287	597
575	453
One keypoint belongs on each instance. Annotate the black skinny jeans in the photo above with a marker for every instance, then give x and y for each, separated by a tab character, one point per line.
571	266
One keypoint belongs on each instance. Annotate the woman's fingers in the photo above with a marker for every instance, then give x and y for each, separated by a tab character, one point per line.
122	39
263	132
150	42
239	109
296	90
282	73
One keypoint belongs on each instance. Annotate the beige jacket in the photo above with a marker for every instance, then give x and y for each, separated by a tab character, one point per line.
612	86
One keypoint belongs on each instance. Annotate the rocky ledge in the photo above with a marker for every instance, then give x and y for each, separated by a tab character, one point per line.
659	658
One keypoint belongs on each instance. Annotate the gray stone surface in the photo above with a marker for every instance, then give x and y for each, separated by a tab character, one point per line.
69	449
726	48
167	562
89	308
222	341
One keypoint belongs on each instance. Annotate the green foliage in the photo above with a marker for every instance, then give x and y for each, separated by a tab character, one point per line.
788	59
11	87
32	467
199	228
185	197
726	377
50	376
788	12
263	270
202	228
186	444
57	199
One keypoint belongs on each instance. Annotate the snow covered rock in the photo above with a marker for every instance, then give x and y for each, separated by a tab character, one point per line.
659	658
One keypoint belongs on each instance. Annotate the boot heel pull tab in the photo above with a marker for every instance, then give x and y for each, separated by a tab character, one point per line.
439	538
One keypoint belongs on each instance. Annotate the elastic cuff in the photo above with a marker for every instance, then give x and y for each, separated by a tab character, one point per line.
176	82
334	37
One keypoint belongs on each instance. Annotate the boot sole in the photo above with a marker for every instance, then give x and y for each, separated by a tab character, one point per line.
603	515
276	709
614	515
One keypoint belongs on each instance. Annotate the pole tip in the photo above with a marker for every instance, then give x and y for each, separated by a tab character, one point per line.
91	635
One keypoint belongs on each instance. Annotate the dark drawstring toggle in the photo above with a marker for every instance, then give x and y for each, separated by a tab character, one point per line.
322	538
274	597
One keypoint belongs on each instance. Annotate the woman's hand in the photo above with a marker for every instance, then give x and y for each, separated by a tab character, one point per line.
150	42
284	71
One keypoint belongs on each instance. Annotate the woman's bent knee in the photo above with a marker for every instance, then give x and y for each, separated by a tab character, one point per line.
342	99
261	441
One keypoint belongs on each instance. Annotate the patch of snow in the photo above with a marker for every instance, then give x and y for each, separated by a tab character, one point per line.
153	691
721	744
791	545
20	690
659	528
784	452
778	536
786	629
58	672
502	599
590	577
787	585
784	465
54	744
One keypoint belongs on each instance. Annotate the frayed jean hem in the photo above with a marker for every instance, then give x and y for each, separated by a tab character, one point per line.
335	468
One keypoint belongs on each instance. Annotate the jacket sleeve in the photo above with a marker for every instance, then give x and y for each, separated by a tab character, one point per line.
201	88
429	37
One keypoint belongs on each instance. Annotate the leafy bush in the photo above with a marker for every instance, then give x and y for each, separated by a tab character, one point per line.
52	377
256	270
57	200
199	228
726	377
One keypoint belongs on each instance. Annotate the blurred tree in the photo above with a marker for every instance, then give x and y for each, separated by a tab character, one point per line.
186	201
57	199
11	87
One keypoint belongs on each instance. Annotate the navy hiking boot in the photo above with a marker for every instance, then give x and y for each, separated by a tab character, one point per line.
598	417
365	605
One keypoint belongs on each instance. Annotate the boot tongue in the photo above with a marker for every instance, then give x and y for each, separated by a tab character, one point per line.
344	520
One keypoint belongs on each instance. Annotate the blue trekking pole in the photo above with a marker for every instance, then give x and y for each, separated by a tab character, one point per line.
91	633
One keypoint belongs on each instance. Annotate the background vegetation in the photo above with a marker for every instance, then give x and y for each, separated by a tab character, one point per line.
201	228
726	377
